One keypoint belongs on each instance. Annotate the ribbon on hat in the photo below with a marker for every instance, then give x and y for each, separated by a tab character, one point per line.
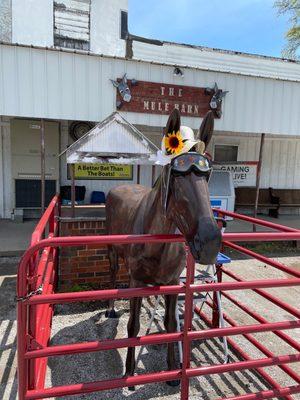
200	147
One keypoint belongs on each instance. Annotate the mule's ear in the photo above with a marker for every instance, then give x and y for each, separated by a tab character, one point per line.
124	79
173	124
223	94
206	128
115	83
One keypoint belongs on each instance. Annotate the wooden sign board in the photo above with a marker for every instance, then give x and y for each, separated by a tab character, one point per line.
161	98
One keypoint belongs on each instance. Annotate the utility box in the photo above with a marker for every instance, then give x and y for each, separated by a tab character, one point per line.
221	191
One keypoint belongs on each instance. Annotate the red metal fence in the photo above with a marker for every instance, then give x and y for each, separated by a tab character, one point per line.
37	277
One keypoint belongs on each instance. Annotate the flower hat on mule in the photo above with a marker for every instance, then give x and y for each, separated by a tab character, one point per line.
179	139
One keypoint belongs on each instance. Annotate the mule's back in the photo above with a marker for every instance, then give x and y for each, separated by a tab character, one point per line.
122	205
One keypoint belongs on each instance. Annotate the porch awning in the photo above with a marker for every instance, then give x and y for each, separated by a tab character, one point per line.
113	140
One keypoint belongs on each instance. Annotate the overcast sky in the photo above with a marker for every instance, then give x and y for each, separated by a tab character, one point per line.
251	26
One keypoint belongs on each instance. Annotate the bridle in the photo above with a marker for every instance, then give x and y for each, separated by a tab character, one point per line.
183	165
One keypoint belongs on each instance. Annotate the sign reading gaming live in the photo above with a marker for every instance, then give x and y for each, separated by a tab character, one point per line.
103	171
243	173
160	98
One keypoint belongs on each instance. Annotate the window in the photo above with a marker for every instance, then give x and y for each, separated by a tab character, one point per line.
225	153
72	24
124	24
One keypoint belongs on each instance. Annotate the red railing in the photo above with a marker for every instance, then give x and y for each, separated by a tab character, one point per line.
38	267
38	276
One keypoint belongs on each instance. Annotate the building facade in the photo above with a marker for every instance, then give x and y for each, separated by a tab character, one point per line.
58	61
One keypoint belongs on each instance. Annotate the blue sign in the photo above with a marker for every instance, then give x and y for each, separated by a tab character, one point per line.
216	203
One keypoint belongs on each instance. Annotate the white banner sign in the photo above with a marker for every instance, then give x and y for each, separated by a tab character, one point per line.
243	174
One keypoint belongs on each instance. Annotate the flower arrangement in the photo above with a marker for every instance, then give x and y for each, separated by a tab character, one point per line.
174	143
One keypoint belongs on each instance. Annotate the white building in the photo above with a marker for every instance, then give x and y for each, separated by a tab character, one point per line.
57	60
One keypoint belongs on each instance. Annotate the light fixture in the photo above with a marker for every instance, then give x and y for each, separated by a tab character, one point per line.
177	72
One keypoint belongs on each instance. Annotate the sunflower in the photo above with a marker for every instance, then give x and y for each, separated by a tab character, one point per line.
173	143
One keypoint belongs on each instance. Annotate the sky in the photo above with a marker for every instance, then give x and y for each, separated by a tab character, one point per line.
251	26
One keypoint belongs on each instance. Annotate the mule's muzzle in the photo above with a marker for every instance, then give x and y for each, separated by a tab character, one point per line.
207	242
127	97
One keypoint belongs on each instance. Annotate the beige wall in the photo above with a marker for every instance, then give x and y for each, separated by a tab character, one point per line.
281	157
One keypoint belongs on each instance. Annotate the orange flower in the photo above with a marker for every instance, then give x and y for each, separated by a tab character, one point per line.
173	143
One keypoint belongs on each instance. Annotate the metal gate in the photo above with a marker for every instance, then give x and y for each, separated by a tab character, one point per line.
36	284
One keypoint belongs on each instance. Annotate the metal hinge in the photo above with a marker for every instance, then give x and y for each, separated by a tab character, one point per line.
39	290
32	344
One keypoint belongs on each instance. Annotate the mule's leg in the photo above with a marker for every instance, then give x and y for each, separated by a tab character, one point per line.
133	328
114	268
171	326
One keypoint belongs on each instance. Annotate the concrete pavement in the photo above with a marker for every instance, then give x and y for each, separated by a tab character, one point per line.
15	237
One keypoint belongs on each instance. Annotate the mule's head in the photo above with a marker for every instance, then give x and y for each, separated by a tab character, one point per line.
217	98
123	88
186	196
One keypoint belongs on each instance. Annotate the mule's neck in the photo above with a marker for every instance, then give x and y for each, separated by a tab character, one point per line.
155	222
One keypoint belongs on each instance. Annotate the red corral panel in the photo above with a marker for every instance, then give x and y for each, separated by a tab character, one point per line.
36	285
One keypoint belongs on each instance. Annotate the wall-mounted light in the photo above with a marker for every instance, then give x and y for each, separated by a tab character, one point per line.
178	72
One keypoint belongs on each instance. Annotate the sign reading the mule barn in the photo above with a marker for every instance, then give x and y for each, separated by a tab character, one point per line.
103	171
161	98
243	173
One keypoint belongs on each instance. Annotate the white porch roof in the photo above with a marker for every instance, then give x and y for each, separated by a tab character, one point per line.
113	140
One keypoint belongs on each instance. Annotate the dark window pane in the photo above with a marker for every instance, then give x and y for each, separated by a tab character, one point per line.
225	153
28	192
124	24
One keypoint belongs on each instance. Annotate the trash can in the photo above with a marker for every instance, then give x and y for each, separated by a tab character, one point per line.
221	191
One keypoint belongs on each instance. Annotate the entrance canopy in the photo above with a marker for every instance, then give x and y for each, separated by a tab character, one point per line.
113	140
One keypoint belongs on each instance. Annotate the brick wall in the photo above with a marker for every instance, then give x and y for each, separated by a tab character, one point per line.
86	267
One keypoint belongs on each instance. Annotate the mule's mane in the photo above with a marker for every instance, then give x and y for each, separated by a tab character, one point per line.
157	182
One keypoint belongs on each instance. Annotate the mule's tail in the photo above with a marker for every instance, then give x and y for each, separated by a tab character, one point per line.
114	268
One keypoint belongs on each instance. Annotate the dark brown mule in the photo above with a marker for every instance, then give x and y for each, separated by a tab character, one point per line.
134	209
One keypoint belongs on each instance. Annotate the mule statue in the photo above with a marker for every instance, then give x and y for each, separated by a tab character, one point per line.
123	89
179	199
217	97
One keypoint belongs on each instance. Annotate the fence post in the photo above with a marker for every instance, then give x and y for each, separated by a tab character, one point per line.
188	316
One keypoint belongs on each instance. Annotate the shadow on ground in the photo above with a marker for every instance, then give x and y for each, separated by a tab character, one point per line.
109	364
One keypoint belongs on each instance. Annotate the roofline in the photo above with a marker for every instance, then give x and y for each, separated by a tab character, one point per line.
88	53
233	52
137	131
157	42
